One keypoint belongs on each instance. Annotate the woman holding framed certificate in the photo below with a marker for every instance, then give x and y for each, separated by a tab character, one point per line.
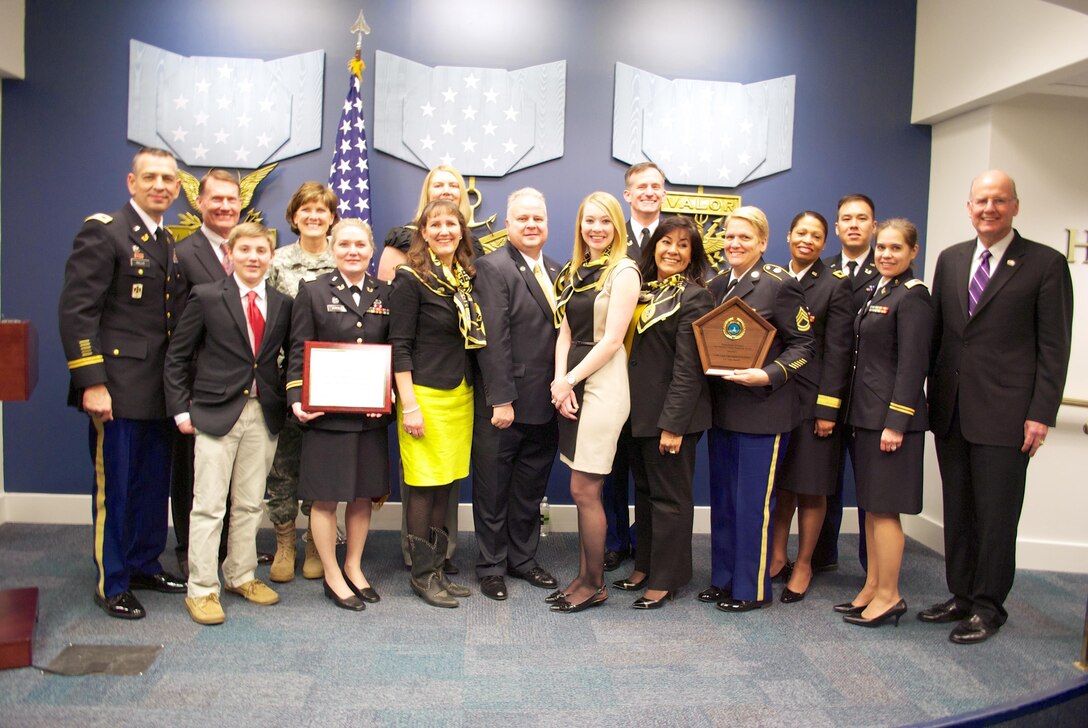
344	456
434	324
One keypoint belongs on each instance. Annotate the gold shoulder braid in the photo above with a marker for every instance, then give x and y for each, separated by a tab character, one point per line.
456	284
585	277
662	299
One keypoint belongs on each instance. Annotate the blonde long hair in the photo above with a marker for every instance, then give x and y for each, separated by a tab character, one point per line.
618	250
425	197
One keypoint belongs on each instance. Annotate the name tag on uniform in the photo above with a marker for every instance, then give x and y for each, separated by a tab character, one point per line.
878	309
336	308
139	262
137	290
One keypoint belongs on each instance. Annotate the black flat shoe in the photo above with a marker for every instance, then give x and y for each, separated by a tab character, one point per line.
944	612
493	587
743	605
162	582
122	606
536	576
897	611
784	573
789	596
595	599
555	596
644	603
714	594
972	630
628	585
352	603
849	608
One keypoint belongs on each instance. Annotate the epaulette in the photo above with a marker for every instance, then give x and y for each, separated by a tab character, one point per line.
100	217
915	282
838	273
774	270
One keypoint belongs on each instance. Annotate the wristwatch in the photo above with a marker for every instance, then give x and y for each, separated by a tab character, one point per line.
571	379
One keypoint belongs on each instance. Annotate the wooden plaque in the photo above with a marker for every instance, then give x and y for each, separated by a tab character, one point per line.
733	336
18	360
341	377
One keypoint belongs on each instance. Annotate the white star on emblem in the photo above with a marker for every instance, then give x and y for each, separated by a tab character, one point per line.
200	151
266	104
427	142
360	145
225	71
489	162
181	102
511	113
469	112
471	80
243	120
685	169
360	124
361	164
263	140
346	126
221	136
202	86
666	123
744	157
469	145
724	172
362	185
666	155
179	134
447	127
491	94
449	95
345	145
427	109
223	102
246	86
241	154
344	186
343	206
362	204
510	146
201	119
446	159
489	129
704	157
746	126
345	166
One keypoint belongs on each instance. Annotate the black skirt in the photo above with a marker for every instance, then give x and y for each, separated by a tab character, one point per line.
343	466
811	465
888	482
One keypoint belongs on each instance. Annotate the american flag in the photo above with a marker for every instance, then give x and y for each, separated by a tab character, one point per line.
349	176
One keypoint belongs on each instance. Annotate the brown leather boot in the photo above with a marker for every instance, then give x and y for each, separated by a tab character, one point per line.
283	563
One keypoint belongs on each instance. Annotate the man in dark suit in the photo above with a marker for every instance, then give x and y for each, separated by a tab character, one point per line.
644	192
204	258
515	436
855	224
121	289
233	401
992	403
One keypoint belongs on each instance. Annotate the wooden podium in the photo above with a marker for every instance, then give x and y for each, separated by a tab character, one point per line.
18	360
18	375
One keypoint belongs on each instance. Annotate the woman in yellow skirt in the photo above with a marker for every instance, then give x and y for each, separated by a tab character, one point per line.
433	325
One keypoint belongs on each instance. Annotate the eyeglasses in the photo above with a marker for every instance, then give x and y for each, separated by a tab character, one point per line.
984	202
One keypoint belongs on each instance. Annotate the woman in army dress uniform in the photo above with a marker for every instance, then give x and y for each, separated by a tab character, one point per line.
344	457
893	333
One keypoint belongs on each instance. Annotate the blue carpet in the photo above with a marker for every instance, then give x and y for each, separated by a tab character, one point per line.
401	662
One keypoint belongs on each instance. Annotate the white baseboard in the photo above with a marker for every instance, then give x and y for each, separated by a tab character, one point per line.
1030	554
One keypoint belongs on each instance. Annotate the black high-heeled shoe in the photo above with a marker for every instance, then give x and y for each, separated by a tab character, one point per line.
628	585
595	599
352	603
784	573
849	608
897	611
556	596
789	596
645	603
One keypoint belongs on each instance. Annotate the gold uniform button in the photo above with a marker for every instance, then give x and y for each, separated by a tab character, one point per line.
167	296
358	324
245	392
358	341
140	271
167	314
254	365
117	352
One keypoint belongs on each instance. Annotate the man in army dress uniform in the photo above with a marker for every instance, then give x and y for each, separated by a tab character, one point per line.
122	285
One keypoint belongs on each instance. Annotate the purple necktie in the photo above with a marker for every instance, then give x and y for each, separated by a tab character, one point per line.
978	282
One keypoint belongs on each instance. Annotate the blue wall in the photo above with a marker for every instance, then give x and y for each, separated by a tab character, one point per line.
65	153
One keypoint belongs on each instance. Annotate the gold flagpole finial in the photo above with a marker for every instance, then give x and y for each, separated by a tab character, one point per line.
359	28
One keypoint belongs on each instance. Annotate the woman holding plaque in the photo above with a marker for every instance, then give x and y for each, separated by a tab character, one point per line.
590	391
344	457
754	410
434	324
810	468
670	407
443	182
892	338
311	213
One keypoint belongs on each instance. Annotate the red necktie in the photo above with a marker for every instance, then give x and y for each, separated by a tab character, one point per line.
256	321
228	266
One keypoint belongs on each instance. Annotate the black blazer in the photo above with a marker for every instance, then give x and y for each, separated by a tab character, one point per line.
823	382
668	389
863	283
773	408
518	363
214	330
325	310
425	335
198	261
121	299
1015	367
892	335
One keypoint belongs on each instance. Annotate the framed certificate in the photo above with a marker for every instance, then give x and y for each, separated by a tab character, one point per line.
732	336
340	377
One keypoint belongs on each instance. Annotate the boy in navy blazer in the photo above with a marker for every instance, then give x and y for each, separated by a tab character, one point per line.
234	403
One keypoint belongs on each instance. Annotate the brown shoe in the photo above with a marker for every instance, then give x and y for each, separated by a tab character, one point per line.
206	609
255	591
283	563
312	567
